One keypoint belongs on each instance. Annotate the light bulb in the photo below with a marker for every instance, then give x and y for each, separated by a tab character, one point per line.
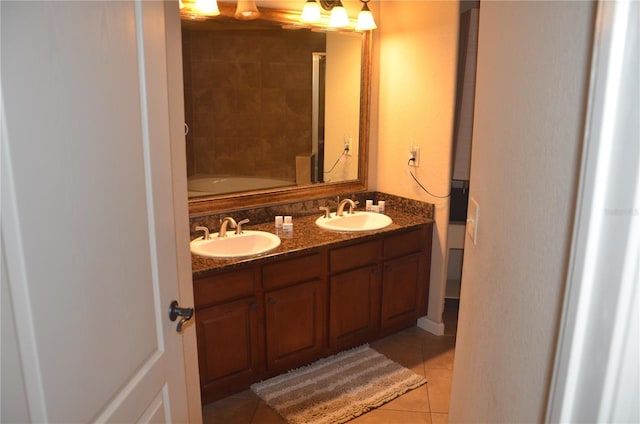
207	7
365	20
339	17
310	12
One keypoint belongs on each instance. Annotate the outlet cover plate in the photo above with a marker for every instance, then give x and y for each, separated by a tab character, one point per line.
472	220
414	151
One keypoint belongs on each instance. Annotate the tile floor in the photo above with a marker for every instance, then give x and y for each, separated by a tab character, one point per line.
428	355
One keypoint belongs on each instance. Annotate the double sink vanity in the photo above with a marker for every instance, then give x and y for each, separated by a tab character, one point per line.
332	283
270	300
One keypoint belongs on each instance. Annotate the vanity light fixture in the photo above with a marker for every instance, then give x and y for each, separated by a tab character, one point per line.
311	12
365	18
207	7
339	17
246	10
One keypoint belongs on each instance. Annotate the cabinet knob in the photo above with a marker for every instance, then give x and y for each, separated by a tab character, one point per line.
253	305
271	301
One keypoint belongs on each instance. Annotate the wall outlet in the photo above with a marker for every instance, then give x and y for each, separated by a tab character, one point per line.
473	217
414	153
347	146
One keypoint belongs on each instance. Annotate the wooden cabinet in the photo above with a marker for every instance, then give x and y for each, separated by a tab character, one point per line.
401	281
405	279
295	305
265	318
294	325
354	294
228	349
353	307
227	326
377	287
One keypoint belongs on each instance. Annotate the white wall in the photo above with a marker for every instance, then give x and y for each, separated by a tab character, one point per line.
533	62
416	76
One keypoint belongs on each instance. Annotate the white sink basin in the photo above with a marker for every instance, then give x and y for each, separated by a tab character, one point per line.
357	221
249	243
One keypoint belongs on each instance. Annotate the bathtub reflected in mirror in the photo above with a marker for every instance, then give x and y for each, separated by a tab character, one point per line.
211	185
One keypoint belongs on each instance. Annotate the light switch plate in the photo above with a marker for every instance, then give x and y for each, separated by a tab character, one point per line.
472	220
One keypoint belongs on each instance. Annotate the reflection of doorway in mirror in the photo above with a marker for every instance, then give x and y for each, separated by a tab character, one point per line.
317	116
342	106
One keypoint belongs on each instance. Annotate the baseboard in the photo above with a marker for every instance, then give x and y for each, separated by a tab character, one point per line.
435	328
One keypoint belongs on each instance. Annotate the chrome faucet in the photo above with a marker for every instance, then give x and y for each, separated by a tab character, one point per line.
223	226
239	226
344	202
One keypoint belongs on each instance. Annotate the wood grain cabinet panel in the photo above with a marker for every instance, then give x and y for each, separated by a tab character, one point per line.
401	291
228	348
354	305
349	257
294	270
294	322
224	286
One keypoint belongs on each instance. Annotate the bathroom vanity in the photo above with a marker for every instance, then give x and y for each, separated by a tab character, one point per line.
318	293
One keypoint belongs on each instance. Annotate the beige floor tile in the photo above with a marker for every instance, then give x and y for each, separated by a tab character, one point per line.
407	351
450	317
384	416
439	354
439	389
439	418
230	410
416	400
266	415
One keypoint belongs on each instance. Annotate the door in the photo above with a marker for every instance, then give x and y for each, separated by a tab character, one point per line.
89	252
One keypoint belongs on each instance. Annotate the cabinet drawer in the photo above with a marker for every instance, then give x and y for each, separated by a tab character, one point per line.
290	271
404	244
222	287
353	256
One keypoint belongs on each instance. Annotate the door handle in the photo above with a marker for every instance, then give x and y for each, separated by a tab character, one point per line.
176	311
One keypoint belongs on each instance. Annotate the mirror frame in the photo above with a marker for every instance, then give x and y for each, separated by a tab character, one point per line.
242	200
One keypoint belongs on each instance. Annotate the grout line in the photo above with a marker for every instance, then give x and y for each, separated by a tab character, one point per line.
255	412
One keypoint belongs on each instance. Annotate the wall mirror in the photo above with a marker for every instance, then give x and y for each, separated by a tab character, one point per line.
274	111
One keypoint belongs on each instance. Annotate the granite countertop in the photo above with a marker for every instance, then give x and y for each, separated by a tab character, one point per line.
306	236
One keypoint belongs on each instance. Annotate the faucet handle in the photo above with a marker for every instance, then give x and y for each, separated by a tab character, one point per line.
227	220
206	232
352	205
239	225
327	211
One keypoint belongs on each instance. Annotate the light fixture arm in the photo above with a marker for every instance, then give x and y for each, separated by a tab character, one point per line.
330	4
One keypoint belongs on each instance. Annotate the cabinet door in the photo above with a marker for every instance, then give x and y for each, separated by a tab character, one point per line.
354	307
228	351
402	281
295	321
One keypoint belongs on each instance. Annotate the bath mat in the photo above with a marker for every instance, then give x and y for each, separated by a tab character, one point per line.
338	388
